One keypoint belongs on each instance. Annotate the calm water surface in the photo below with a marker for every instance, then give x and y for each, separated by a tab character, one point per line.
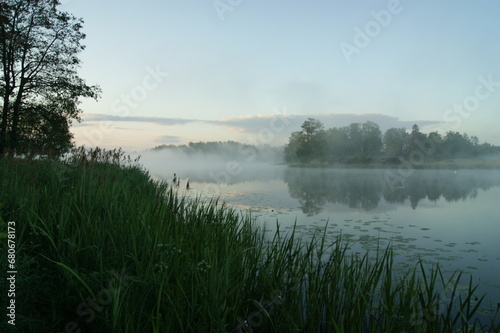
441	216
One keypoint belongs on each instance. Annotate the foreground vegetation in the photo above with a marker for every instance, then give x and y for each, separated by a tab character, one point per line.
101	247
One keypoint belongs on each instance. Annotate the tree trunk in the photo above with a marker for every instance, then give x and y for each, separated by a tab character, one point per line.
16	112
3	132
8	91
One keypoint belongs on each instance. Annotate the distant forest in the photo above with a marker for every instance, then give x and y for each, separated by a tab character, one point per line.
228	150
364	143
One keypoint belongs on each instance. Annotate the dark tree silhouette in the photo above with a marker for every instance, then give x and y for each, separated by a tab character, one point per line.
39	84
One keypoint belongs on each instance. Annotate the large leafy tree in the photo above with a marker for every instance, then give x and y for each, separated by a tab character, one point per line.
457	145
415	139
355	143
337	143
292	147
39	83
307	145
371	138
312	141
396	142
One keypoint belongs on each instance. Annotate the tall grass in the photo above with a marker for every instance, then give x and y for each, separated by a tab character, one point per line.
101	247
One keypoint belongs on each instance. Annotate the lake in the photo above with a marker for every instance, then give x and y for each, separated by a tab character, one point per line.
450	217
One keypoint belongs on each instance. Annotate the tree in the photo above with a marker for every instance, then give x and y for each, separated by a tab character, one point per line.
292	147
39	83
416	139
371	138
355	139
42	130
457	145
396	141
310	128
434	146
312	141
337	140
307	145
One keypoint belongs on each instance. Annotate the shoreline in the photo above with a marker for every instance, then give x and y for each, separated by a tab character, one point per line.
437	165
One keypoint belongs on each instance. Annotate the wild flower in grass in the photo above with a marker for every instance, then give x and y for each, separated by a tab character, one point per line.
203	266
161	267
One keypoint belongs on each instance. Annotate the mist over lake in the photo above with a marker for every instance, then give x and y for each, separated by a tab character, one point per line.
448	217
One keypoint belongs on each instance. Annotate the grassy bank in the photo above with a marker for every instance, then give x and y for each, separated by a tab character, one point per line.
101	247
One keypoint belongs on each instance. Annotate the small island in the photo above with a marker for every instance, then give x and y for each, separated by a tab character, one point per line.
363	145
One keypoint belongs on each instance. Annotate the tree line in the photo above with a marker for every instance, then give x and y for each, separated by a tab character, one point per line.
365	143
227	150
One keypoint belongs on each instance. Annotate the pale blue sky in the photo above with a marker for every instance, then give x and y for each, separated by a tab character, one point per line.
230	72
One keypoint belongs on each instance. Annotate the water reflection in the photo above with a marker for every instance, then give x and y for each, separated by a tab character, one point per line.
363	189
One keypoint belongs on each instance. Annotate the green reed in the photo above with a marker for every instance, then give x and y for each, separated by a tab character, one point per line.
104	248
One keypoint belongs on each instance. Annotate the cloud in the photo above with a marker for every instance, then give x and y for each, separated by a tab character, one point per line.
77	124
253	123
165	121
168	139
256	124
274	129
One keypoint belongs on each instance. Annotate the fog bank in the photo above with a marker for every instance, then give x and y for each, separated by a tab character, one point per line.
221	163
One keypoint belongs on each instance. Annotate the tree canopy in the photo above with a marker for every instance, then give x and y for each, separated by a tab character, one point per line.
363	143
39	83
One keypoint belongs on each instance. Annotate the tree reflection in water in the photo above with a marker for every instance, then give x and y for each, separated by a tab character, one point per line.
363	189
